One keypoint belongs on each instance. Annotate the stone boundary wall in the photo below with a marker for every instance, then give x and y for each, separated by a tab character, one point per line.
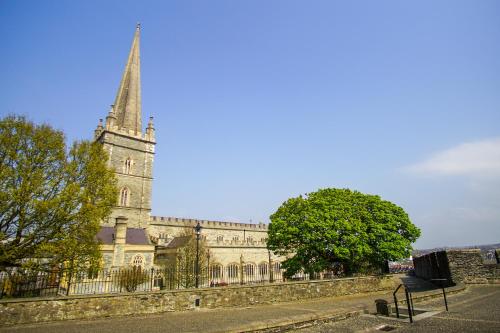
433	266
467	266
23	311
457	266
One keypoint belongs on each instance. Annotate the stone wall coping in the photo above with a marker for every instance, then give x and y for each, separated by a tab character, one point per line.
229	246
181	291
491	264
464	250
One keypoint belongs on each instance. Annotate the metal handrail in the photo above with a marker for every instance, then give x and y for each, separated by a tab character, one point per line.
396	299
409	302
409	299
409	305
444	292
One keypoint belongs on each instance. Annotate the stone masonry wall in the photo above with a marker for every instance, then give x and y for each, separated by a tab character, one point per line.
468	266
21	311
229	242
456	266
138	180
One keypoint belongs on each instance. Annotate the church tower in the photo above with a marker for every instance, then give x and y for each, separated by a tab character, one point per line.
131	152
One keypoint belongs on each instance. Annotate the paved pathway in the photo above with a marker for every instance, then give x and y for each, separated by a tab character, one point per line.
475	310
218	320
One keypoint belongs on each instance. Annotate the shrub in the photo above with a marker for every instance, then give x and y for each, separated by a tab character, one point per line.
132	277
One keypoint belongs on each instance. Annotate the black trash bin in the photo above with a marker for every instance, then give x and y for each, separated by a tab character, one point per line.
383	307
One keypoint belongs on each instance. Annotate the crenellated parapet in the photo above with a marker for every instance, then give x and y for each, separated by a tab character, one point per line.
111	127
126	133
185	222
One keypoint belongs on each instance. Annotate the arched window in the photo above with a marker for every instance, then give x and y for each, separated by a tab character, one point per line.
263	269
215	271
158	279
277	267
232	271
249	270
220	238
124	196
249	239
138	261
127	167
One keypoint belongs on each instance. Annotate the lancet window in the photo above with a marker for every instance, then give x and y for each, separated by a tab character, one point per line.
124	197
127	167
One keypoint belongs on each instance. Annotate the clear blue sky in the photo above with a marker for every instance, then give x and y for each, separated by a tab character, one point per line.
258	101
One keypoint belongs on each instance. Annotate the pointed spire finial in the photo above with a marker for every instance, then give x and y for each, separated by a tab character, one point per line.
98	129
110	118
127	106
150	130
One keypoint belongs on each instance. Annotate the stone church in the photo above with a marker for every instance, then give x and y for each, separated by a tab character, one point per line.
131	236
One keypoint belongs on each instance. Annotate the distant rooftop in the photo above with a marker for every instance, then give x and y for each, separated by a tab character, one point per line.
178	242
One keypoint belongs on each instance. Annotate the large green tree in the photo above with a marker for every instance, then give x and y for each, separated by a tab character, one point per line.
338	226
52	198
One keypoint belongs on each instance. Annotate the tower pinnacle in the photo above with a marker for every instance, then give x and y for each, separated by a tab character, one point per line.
127	106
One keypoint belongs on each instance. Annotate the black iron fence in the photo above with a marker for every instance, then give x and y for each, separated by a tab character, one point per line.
29	283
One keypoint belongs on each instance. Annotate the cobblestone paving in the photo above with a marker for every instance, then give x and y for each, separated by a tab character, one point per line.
477	310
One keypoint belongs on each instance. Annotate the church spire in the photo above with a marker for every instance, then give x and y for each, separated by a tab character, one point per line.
127	107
